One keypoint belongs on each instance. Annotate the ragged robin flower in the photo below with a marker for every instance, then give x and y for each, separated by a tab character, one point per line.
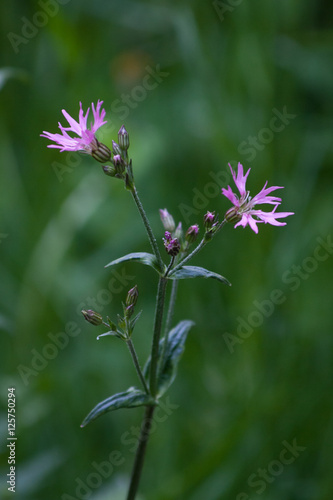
86	140
243	212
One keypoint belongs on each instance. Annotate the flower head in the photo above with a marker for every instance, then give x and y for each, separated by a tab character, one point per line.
172	245
243	211
86	140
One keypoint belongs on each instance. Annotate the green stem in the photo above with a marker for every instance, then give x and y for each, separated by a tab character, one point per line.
172	303
140	452
171	309
150	233
148	417
160	299
136	364
189	256
198	247
169	266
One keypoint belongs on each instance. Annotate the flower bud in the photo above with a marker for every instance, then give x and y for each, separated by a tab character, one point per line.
129	310
209	220
115	148
123	138
167	220
132	296
109	170
192	234
117	160
118	167
101	152
179	232
172	245
92	317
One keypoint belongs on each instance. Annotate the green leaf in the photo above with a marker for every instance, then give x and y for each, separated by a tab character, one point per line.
197	272
174	350
145	258
130	399
112	325
134	320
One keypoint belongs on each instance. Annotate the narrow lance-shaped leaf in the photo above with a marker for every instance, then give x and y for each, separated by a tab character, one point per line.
143	257
174	350
130	399
186	272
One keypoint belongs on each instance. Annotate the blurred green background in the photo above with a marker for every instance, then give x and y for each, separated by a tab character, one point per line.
257	371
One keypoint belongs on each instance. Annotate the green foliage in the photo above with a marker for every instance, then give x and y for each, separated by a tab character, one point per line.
143	257
129	399
62	219
187	272
169	356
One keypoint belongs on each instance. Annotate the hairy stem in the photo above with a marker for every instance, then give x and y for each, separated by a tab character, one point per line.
160	299
140	452
150	233
171	309
172	304
136	364
147	420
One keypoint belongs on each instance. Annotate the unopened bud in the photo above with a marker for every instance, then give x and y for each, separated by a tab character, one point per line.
172	245
209	220
117	160
101	153
119	166
109	170
167	220
115	148
132	296
92	317
129	310
179	232
192	234
123	138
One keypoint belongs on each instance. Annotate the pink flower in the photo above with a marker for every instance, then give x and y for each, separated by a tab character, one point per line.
243	211
86	140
